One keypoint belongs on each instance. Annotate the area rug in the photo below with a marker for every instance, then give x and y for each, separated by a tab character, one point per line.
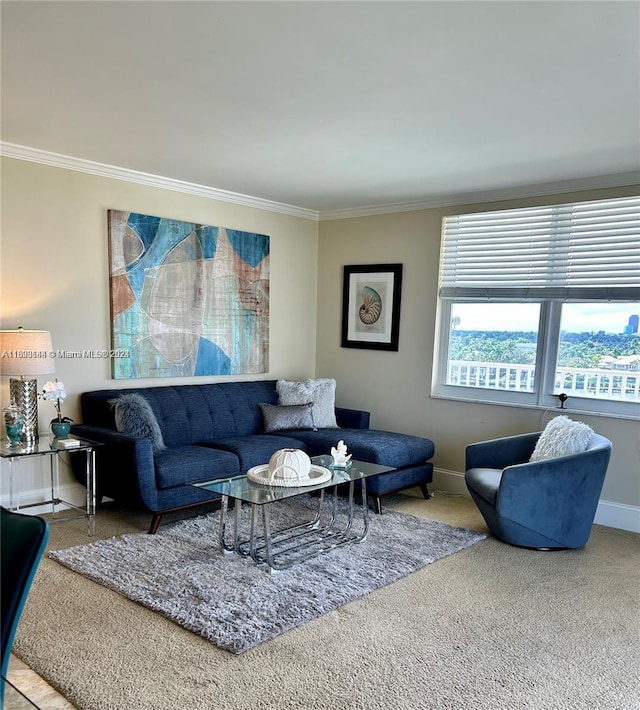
236	604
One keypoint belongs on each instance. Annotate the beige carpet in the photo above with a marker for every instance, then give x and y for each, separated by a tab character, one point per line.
492	626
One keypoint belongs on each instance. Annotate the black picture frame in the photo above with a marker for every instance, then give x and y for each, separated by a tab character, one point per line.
371	306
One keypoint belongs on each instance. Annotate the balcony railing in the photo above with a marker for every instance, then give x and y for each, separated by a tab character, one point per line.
576	381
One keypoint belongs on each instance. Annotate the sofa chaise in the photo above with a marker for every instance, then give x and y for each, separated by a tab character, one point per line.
210	431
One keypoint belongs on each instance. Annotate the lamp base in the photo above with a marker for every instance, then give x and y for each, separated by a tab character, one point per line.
24	393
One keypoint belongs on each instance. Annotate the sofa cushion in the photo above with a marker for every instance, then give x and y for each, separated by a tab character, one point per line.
281	417
133	415
181	465
257	449
321	393
212	411
188	414
383	447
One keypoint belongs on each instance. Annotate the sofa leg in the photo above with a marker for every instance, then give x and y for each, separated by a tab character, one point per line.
155	523
157	517
425	491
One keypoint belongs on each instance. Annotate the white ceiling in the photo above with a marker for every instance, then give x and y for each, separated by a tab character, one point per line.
330	105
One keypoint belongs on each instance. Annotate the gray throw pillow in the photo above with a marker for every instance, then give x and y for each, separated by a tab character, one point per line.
280	418
321	393
134	416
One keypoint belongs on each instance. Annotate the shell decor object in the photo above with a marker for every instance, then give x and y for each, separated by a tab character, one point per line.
371	307
290	465
339	454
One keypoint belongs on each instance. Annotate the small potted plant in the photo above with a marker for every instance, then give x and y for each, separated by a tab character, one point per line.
55	392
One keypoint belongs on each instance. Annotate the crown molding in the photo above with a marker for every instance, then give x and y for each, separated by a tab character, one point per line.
629	179
35	155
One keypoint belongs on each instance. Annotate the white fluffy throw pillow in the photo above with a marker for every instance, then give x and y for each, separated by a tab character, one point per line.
321	393
562	437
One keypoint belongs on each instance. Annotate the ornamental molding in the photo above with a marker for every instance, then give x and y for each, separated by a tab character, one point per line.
35	155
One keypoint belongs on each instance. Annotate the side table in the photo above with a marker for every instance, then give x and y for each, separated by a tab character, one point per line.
46	445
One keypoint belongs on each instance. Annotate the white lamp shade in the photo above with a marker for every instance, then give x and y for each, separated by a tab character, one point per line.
26	352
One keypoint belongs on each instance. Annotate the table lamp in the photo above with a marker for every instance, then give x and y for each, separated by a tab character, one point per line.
25	354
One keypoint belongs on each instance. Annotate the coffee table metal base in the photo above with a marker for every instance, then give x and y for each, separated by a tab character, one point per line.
280	549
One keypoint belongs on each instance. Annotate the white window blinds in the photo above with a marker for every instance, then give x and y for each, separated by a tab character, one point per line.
576	251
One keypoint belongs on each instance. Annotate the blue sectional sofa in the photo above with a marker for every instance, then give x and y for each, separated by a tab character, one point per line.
216	431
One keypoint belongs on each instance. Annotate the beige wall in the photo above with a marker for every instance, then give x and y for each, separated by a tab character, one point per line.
395	386
54	271
55	267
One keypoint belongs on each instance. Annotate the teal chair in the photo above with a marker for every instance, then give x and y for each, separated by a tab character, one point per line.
542	505
23	539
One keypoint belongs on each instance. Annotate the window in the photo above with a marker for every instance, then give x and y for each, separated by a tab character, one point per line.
539	301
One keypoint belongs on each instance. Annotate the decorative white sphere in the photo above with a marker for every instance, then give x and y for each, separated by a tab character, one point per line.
289	465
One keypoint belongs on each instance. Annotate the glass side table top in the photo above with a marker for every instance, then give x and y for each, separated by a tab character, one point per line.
240	488
44	444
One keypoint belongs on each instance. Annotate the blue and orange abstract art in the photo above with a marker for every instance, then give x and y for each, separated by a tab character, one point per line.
187	299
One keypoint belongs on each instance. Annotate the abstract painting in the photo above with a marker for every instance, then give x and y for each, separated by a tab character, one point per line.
371	306
187	299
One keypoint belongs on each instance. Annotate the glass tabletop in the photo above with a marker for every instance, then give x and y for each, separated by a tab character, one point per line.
240	488
44	444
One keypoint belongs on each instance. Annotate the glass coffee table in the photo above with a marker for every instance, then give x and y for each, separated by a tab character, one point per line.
327	528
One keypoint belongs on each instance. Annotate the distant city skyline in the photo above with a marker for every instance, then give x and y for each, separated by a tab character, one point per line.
577	317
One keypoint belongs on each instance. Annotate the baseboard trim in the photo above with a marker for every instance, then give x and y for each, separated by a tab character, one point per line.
449	481
609	513
618	515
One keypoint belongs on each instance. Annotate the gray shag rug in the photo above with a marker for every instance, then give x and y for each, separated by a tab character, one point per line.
229	600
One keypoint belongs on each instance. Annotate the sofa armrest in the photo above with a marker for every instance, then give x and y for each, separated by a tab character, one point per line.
500	453
124	465
352	418
99	434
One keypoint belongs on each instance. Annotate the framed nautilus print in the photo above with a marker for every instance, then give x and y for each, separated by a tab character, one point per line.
371	306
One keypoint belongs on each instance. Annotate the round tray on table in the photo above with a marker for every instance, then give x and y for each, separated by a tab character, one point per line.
317	474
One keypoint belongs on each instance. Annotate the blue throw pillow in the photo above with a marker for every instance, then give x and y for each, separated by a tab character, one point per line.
134	416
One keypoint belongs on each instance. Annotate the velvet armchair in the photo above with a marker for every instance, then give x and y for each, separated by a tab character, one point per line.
549	504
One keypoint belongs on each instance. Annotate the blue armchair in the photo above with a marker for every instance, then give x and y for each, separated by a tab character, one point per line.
23	540
546	505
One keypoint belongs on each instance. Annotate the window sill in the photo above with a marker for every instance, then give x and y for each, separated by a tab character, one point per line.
568	410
